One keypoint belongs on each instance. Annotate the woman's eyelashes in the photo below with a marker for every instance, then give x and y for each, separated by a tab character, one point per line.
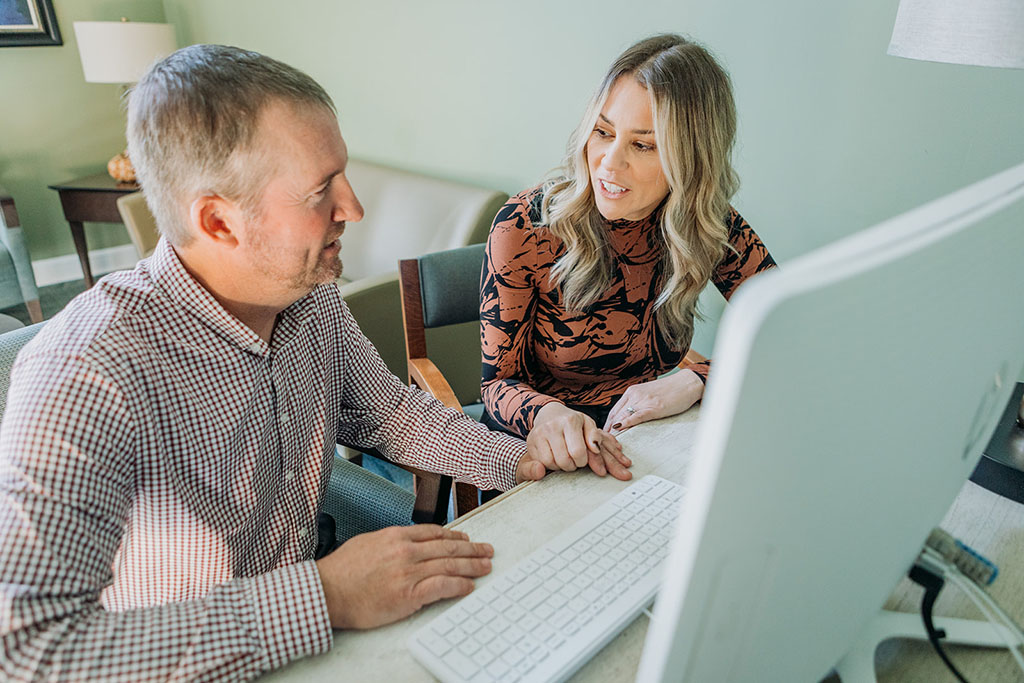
640	145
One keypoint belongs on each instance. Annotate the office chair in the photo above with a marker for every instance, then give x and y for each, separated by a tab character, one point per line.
140	222
357	500
441	305
17	280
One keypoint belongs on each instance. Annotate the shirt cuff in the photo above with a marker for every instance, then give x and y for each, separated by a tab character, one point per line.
291	613
504	461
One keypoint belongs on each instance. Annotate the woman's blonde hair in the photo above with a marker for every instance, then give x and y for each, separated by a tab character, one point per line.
694	128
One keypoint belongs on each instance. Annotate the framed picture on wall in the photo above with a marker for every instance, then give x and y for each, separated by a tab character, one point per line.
28	22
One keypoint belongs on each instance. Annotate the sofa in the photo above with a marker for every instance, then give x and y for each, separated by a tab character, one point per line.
406	215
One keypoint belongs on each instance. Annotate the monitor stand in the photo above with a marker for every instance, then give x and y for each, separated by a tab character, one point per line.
1001	467
858	664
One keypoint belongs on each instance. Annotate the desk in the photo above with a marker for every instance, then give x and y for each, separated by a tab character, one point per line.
92	199
519	521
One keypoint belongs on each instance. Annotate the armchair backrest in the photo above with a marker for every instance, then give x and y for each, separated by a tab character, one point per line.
140	222
10	344
409	214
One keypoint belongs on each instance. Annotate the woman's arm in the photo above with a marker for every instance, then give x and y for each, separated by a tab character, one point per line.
747	257
508	302
560	438
672	394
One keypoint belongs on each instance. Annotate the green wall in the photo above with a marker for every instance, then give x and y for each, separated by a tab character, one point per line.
54	126
834	134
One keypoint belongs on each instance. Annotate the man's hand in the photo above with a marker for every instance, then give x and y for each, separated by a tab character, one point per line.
669	395
380	577
564	439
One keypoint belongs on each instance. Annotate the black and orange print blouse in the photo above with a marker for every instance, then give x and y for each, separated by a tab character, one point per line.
535	352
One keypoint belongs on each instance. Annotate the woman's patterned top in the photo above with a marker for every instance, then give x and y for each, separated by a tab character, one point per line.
535	352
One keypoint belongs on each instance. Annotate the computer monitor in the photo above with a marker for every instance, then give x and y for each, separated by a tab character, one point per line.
853	392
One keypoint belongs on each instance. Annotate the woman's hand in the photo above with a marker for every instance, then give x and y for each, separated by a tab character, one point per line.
669	395
564	439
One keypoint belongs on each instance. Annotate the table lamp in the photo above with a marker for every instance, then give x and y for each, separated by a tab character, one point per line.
979	33
120	52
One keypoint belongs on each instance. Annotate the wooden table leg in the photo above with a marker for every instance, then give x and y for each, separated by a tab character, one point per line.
78	234
35	312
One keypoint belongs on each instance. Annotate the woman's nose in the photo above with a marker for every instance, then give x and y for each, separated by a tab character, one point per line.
614	158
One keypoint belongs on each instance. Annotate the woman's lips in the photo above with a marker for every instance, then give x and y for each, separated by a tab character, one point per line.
611	190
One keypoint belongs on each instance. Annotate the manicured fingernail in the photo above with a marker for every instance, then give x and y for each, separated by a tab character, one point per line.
617	425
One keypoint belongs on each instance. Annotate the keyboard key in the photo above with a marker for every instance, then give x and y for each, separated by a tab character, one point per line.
499	625
515	613
485	634
482	658
498	671
512	657
463	665
501	603
443	625
560	618
435	643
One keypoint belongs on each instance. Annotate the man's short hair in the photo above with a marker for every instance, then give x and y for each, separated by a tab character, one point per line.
192	122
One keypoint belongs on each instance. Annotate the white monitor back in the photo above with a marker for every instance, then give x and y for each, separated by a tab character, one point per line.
852	393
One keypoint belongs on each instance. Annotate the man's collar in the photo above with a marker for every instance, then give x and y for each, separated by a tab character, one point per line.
173	279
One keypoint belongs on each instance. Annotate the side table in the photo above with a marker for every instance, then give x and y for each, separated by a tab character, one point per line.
91	199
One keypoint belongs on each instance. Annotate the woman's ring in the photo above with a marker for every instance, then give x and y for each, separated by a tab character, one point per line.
630	409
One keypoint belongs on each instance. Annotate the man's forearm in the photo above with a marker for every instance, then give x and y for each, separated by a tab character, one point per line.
238	630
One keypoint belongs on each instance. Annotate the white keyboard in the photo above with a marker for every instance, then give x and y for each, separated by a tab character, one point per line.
545	617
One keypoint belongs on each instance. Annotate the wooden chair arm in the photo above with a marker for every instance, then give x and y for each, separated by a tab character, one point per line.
424	374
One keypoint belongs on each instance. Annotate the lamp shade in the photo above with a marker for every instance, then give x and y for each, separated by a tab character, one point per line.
121	51
978	32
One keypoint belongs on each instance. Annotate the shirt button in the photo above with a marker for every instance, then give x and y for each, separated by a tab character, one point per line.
289	475
285	417
302	532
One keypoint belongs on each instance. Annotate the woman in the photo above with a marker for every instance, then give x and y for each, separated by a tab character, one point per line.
590	282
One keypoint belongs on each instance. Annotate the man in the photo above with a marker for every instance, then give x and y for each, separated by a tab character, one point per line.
169	435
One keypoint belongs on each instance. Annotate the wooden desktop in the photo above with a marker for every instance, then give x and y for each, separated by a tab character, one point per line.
522	519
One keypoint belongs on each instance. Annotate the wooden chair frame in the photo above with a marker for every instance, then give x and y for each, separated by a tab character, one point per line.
425	375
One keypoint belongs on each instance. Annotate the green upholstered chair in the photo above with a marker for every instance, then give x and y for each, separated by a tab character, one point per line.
17	281
441	312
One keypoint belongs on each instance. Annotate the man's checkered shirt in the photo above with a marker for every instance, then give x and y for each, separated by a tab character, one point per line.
161	468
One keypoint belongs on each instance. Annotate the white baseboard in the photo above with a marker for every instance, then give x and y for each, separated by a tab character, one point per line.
50	271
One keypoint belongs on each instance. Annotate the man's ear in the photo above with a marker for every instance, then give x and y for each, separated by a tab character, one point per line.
215	218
